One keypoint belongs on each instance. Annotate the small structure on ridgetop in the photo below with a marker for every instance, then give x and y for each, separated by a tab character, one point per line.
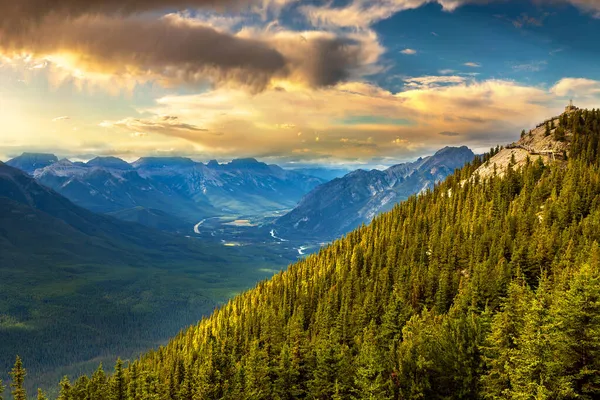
570	107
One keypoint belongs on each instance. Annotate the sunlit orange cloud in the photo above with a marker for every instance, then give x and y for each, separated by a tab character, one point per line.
353	120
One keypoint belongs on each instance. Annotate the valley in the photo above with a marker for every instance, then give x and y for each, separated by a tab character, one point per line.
132	246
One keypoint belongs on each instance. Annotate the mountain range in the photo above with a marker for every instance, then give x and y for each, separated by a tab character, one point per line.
180	190
336	207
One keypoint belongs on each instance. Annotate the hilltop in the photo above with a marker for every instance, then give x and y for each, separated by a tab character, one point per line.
548	142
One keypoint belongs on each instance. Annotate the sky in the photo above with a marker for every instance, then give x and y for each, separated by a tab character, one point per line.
293	82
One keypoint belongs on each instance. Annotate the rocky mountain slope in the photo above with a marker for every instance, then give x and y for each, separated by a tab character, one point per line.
547	142
341	205
29	162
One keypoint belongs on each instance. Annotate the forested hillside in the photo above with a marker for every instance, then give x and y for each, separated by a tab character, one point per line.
78	287
480	288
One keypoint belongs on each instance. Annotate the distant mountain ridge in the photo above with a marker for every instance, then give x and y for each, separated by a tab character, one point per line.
36	211
342	204
29	162
174	188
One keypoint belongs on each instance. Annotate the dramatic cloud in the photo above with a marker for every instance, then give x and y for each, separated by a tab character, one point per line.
175	50
353	120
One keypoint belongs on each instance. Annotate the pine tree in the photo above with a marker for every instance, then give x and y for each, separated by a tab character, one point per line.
559	134
288	374
371	380
535	371
577	312
97	386
325	372
41	395
502	342
2	388
133	389
18	374
118	382
66	390
258	382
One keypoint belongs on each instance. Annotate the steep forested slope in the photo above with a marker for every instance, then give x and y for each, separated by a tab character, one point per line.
480	288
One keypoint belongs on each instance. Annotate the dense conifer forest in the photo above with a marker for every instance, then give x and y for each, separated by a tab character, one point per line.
478	289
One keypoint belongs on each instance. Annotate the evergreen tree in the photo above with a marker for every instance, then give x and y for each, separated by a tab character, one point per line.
535	371
559	134
66	390
372	379
288	376
578	316
258	382
97	387
503	339
134	389
17	375
41	395
118	387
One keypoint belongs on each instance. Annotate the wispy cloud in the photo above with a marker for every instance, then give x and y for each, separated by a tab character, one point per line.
409	52
433	81
448	133
63	118
472	64
534	66
164	124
